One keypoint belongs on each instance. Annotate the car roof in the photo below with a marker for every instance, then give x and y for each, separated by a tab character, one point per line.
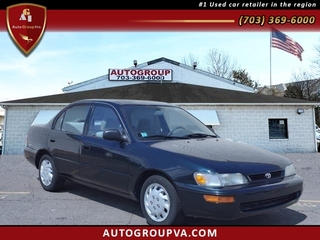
124	102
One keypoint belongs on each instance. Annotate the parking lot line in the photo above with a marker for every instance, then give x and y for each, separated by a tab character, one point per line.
310	201
15	193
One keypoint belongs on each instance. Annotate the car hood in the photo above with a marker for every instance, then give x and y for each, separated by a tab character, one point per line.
222	151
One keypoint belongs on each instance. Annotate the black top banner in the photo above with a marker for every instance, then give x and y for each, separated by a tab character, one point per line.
169	5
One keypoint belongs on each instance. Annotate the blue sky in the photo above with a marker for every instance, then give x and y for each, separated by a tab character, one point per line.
78	56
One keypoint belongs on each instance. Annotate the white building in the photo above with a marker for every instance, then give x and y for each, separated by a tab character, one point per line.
179	73
1	118
275	123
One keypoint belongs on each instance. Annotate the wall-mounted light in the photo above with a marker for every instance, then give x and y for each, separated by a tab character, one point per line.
300	110
135	62
194	65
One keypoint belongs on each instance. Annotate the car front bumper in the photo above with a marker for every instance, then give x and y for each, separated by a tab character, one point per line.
249	201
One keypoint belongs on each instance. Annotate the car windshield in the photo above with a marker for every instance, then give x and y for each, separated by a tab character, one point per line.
167	122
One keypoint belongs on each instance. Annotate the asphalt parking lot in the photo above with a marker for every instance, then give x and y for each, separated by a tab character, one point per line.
24	202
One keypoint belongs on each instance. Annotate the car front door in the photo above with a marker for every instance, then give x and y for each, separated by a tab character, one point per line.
104	162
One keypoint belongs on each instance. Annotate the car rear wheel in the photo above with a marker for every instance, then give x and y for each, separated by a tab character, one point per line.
50	179
160	202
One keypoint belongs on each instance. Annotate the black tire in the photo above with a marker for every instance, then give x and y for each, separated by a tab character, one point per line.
160	202
49	177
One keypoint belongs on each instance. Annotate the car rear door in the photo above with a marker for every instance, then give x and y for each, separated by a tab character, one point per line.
65	139
104	162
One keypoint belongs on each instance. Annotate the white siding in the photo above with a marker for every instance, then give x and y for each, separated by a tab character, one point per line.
18	120
249	124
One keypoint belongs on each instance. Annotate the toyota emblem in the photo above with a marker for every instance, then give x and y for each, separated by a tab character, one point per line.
268	175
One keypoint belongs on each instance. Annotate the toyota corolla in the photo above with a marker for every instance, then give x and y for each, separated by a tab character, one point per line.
161	156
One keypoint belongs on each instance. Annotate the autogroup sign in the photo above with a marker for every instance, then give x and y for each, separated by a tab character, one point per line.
140	74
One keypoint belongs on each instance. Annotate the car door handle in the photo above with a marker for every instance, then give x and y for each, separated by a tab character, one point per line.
87	147
52	140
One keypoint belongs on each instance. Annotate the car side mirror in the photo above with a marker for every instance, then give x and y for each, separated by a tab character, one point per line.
114	135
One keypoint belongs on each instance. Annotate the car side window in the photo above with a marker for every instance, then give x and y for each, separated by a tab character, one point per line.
58	123
103	118
74	119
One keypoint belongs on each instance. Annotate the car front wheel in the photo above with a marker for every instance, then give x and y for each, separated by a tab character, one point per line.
160	202
50	179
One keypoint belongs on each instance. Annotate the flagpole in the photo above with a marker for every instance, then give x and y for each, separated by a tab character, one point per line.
270	55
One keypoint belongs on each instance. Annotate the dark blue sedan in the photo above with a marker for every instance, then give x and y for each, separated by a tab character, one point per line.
162	156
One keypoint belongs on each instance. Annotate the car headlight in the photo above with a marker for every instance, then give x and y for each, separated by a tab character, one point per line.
289	170
219	180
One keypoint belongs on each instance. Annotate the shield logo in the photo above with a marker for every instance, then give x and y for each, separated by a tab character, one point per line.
26	23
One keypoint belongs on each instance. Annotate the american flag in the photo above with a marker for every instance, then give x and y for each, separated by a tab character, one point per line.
285	43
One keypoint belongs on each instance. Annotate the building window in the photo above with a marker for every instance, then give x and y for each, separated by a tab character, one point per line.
44	116
278	129
207	116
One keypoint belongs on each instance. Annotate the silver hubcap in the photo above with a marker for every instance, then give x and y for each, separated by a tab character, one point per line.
157	202
46	172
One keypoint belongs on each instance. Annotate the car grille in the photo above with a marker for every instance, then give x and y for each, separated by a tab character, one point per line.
260	179
268	203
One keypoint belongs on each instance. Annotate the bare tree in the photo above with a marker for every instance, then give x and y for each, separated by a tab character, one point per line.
190	60
220	63
301	75
315	65
303	86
